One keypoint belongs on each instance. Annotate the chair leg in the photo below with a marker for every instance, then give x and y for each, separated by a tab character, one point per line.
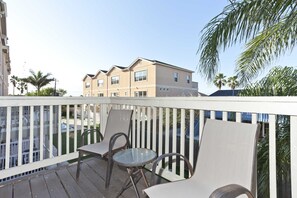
78	164
108	171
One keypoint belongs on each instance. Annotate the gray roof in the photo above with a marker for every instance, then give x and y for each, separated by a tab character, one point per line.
229	92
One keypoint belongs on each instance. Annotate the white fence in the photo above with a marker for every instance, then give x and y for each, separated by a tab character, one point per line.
162	124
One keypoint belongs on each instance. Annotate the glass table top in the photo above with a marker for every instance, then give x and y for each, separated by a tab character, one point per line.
134	157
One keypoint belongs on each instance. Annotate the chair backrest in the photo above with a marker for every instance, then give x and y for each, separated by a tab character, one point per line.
118	121
227	155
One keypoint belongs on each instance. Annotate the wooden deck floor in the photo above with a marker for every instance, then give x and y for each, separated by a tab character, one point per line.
61	183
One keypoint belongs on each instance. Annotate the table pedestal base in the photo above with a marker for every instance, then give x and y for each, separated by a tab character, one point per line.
133	179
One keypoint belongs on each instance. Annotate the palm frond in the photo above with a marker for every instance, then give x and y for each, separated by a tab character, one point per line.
239	21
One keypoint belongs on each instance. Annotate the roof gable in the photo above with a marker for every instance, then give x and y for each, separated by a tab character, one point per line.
88	75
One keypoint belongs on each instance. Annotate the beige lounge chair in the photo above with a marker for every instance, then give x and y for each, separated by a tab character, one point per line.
226	164
115	138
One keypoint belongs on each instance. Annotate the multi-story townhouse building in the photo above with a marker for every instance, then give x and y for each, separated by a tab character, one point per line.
4	52
142	78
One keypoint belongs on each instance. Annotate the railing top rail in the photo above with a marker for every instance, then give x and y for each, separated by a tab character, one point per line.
6	101
270	105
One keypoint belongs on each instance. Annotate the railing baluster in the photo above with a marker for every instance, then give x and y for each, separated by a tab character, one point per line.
212	115
225	116
75	128
174	138
154	128
143	135
20	136
182	141
133	135
31	134
160	131
148	130
67	129
293	139
59	131
41	132
138	127
88	122
51	131
94	122
201	124
254	118
8	134
238	117
272	156
167	121
191	138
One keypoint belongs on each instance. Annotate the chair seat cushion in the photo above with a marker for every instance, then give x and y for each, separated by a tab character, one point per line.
100	148
185	188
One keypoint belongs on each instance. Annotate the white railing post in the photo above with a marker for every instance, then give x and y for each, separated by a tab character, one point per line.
8	134
272	156
20	136
31	136
293	139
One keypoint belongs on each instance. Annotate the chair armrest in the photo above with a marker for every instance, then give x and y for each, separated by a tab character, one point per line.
160	158
87	132
230	191
113	140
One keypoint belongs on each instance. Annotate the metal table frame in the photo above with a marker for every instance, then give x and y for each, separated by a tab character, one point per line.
134	159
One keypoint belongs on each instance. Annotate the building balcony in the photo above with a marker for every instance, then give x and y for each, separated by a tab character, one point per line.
39	142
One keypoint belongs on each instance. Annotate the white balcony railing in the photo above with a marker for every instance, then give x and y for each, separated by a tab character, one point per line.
162	124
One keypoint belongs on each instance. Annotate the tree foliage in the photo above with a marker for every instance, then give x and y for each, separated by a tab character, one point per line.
279	82
49	91
232	82
38	79
220	80
268	27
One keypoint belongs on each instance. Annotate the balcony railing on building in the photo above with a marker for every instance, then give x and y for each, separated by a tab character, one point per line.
34	129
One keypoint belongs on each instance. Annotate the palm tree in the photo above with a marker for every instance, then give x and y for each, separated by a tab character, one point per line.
22	86
232	82
220	80
268	27
38	80
14	81
278	82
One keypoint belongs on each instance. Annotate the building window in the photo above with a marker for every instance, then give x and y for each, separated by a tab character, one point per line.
114	94
115	80
188	79
140	93
175	76
140	75
87	85
100	95
100	83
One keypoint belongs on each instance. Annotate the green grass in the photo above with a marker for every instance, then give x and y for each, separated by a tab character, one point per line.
71	141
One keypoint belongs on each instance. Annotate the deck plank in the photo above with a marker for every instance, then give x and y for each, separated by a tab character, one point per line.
22	189
88	187
61	182
39	187
6	191
72	188
54	185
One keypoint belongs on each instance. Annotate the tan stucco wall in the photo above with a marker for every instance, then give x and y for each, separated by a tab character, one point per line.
96	89
124	81
87	91
148	85
159	81
166	86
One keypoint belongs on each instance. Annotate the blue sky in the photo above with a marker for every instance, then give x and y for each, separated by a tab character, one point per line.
71	38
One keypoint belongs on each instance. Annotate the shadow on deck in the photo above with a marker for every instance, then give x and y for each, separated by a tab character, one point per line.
61	183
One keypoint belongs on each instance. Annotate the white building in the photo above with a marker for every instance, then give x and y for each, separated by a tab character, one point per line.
4	52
